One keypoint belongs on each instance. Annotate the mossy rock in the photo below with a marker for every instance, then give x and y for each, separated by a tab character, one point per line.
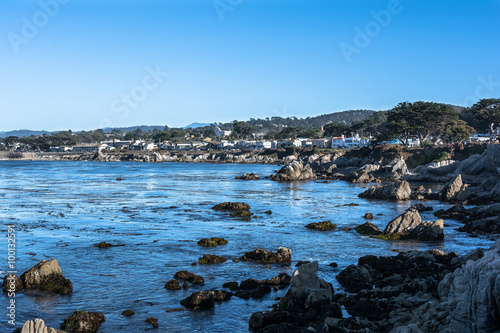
368	229
81	321
368	216
244	214
211	259
212	242
231	206
104	245
322	226
173	285
188	276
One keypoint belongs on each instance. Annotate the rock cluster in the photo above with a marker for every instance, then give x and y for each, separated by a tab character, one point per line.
394	191
256	288
205	299
283	255
248	176
211	259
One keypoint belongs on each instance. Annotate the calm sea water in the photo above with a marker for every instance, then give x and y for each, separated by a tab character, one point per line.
61	209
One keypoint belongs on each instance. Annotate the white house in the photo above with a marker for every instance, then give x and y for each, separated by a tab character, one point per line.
220	133
89	148
350	142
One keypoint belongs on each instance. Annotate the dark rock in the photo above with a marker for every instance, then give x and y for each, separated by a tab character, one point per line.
457	212
367	229
250	284
128	313
153	321
333	264
355	278
185	285
205	299
248	176
368	216
46	276
244	214
321	226
245	294
231	206
283	255
188	276
81	321
300	262
211	259
260	291
173	285
420	208
233	286
268	212
212	242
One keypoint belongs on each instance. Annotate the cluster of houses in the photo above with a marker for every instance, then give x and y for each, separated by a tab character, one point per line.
336	142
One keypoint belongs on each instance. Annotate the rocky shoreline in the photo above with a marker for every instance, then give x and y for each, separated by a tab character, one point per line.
411	292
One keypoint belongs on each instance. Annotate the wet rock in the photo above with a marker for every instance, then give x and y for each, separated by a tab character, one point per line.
36	326
244	214
300	262
457	212
185	285
173	285
233	286
212	242
81	321
283	255
268	212
188	276
333	264
250	284
153	321
248	176
367	229
103	245
483	220
409	225
368	216
205	299
47	276
321	226
421	208
295	170
211	259
395	191
128	313
231	206
260	291
12	283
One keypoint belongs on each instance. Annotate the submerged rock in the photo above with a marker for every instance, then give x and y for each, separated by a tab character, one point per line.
211	259
153	321
231	206
283	255
205	299
395	191
248	176
321	226
81	321
188	276
128	313
212	242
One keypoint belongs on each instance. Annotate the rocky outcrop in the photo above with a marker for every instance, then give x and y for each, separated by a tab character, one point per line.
295	170
248	176
395	170
36	326
409	225
211	259
188	276
283	255
457	212
81	321
483	220
44	276
308	302
454	190
368	229
321	226
205	299
231	206
395	191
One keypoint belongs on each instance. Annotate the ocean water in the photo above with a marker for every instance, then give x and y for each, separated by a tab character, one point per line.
159	212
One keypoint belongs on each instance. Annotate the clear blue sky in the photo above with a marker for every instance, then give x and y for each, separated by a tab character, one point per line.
231	59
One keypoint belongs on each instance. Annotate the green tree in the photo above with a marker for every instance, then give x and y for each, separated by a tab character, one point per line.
457	131
337	129
243	129
161	136
489	110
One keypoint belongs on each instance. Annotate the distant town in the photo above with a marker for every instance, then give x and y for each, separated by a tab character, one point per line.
408	124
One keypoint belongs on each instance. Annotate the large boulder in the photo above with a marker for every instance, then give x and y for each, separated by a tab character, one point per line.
483	219
395	170
81	321
454	189
36	326
44	276
295	170
395	191
409	225
472	294
357	277
283	255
